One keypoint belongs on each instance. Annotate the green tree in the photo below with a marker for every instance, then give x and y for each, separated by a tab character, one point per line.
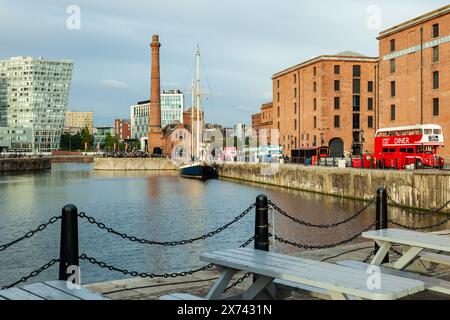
85	138
109	141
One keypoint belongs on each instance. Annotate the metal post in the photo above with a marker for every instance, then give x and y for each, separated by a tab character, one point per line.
382	215
262	223
69	240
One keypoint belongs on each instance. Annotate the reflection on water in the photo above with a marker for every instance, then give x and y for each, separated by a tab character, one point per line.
155	206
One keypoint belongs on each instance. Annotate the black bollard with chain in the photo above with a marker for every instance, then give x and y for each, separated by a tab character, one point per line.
382	215
69	240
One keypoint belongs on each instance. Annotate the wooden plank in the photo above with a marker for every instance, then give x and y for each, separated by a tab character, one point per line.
180	296
381	253
407	258
18	294
400	286
411	238
308	274
47	292
337	271
82	293
435	258
299	286
442	232
221	284
432	284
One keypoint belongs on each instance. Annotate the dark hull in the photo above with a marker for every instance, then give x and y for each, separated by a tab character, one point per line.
198	171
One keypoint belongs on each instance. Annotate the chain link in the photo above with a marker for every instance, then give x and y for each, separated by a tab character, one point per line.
102	226
31	233
327	246
33	274
104	265
420	212
322	226
370	255
398	224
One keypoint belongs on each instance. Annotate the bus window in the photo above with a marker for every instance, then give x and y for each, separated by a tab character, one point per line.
385	150
428	131
410	150
392	150
428	149
437	131
403	150
419	149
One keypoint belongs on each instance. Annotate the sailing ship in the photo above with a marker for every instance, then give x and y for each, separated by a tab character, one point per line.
199	168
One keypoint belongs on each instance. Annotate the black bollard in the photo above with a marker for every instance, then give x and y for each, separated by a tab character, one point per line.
69	240
382	215
262	223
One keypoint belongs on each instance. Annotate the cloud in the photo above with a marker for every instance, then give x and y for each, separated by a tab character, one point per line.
115	84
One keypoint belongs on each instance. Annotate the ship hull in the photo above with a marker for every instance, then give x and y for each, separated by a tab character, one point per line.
198	171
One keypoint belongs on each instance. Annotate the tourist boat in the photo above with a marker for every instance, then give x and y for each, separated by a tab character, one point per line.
199	168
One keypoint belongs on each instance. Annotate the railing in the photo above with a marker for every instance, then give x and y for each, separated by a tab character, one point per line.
69	246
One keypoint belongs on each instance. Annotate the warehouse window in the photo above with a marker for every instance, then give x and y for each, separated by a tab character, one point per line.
393	65
357	71
436	54
370	86
436	80
436	30
315	122
435	107
370	104
370	122
392	88
393	112
392	45
337	85
337	69
337	103
337	122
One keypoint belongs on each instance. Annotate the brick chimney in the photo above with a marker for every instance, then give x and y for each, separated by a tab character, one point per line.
155	131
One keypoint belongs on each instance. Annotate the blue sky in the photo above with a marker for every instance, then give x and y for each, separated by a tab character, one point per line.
242	42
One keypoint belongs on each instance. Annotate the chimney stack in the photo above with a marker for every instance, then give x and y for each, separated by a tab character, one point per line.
155	131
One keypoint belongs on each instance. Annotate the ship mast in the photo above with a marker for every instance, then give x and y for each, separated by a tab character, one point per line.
198	105
192	118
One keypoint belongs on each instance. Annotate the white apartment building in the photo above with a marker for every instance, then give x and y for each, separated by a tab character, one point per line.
34	94
172	107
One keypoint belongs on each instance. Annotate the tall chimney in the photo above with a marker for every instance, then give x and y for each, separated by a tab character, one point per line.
155	131
155	91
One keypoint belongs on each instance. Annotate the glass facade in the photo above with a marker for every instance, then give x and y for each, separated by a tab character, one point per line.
172	107
34	94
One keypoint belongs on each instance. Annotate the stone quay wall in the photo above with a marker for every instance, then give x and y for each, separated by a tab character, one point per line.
133	164
24	164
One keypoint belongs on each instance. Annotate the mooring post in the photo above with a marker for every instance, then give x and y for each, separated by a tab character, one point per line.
262	223
69	240
382	215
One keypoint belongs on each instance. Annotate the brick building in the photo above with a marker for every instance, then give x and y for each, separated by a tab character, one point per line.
256	121
122	129
414	73
326	101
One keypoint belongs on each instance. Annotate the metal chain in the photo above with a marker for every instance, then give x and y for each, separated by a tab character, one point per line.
31	233
333	245
322	226
165	243
370	255
398	224
104	265
409	210
32	274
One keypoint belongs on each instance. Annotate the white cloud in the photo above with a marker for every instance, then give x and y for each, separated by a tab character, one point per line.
115	84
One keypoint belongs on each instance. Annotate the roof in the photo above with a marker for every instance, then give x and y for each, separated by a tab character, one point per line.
342	56
414	127
171	127
413	22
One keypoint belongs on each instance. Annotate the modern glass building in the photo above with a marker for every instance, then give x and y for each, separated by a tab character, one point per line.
33	94
172	107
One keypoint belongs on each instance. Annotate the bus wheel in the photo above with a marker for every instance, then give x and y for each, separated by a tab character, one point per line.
419	164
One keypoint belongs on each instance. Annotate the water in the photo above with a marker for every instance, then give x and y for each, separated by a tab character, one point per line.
154	206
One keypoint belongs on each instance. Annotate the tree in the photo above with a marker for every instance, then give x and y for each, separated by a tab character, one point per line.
85	137
109	141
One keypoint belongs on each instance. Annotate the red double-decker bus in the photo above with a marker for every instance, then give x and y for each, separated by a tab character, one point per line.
410	145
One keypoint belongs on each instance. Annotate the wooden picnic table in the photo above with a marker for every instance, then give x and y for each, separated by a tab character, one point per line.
50	290
340	282
416	241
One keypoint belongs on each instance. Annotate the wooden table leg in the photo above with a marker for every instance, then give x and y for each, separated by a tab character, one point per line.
257	287
221	284
407	258
382	252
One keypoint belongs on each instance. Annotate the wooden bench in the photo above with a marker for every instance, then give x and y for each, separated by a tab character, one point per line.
417	241
339	282
435	258
432	284
51	290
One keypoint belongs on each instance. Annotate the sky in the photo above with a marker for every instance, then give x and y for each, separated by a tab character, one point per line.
242	43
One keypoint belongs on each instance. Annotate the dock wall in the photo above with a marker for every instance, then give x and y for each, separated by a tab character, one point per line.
410	188
133	164
25	164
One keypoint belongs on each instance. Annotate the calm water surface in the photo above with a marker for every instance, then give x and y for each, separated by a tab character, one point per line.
154	206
